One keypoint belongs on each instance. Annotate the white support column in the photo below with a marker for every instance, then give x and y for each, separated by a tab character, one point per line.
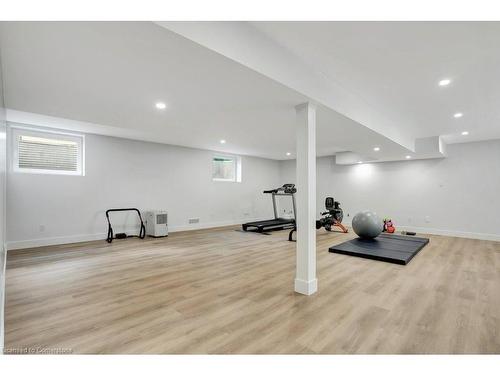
305	278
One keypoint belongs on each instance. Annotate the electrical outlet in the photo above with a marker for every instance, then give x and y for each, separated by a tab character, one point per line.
195	220
246	214
41	228
427	219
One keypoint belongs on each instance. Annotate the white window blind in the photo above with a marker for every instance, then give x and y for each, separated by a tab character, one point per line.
46	153
39	152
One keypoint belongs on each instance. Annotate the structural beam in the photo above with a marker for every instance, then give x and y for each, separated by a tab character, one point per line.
305	278
246	44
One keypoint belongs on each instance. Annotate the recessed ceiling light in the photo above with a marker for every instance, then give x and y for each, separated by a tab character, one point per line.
288	153
465	133
160	105
360	162
408	156
376	149
222	141
444	82
458	115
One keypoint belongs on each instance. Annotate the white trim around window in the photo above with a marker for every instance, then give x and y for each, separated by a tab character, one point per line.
68	151
236	168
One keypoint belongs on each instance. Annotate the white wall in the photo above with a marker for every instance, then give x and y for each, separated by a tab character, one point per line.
458	195
3	176
49	209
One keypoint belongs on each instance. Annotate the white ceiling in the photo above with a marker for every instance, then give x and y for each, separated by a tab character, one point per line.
112	73
396	66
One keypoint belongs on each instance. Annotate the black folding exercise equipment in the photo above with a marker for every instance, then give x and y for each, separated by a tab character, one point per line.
278	223
142	231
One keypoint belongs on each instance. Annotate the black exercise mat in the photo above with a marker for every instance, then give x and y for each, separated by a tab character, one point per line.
386	247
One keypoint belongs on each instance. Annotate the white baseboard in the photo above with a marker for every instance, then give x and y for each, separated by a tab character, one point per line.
182	228
51	241
306	287
452	233
446	232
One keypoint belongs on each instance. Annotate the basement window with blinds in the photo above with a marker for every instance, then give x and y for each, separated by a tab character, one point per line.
47	152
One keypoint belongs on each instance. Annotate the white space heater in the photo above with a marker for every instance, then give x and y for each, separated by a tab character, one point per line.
157	223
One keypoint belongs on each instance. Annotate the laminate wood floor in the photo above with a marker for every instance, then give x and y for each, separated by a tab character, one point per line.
224	291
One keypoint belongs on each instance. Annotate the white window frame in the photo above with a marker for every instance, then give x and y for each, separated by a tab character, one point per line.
237	167
17	131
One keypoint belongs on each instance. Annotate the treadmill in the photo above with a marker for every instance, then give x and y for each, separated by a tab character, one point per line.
278	223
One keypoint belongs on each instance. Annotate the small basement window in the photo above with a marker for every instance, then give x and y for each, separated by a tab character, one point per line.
47	152
226	168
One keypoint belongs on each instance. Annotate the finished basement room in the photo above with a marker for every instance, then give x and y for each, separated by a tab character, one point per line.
250	187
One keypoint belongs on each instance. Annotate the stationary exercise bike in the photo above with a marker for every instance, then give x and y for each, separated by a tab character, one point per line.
330	219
